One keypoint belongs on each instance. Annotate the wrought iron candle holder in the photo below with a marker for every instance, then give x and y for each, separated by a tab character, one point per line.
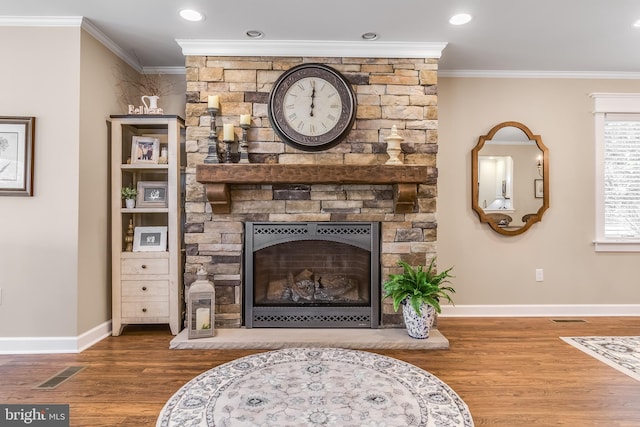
212	154
244	144
227	151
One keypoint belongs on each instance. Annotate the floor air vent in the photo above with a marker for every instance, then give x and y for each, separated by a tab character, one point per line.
59	378
569	321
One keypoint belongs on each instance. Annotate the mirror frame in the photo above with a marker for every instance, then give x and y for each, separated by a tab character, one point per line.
475	181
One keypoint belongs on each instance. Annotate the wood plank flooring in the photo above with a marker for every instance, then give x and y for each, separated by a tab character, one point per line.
511	373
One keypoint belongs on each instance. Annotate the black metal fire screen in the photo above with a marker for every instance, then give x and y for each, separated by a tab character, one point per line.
312	275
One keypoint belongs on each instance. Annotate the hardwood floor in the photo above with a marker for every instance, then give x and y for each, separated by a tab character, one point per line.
511	373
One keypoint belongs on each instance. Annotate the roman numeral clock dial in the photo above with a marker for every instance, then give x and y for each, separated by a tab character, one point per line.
312	107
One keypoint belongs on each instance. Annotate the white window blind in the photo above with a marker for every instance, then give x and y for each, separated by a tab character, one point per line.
617	171
622	177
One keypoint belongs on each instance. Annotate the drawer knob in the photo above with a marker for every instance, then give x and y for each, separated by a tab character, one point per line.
144	266
144	310
144	288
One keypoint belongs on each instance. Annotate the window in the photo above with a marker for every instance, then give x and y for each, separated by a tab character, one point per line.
617	127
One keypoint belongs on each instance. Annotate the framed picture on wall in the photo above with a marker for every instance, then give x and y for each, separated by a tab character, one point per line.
16	156
145	149
152	194
150	239
538	188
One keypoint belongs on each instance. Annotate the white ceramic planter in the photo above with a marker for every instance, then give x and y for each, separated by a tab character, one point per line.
130	203
418	325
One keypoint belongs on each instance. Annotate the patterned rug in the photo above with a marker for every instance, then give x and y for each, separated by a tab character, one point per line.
621	353
315	387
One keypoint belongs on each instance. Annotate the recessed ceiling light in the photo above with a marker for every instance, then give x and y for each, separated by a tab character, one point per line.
637	24
191	15
255	34
460	19
370	36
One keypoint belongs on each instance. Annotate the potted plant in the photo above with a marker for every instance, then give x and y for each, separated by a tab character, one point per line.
419	292
129	194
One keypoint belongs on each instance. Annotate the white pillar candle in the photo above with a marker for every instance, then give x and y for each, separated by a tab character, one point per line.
214	101
245	119
203	318
228	134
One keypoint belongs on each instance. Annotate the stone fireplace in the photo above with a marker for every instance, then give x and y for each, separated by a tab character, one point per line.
348	183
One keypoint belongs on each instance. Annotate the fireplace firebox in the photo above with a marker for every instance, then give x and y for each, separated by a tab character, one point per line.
312	275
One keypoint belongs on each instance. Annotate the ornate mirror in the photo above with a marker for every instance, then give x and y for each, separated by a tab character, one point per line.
510	178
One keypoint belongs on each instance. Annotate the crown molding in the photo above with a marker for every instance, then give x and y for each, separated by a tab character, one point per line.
131	60
40	21
71	21
305	48
310	48
538	74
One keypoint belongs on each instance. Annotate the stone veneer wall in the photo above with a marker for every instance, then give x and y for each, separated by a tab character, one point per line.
401	92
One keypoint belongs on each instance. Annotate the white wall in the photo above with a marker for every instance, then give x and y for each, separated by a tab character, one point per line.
97	100
175	101
495	269
38	235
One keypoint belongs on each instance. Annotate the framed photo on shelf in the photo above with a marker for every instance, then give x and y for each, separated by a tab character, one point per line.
538	188
152	194
145	149
150	239
16	156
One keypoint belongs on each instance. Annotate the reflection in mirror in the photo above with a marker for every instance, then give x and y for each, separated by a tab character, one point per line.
510	178
495	175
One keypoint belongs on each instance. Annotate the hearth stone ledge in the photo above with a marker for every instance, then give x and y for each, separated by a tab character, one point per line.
276	338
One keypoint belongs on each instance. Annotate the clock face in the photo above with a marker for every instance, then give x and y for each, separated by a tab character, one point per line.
312	107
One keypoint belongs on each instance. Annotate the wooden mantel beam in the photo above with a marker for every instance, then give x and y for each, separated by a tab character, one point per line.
404	178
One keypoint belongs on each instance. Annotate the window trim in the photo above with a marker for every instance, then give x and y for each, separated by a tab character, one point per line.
609	103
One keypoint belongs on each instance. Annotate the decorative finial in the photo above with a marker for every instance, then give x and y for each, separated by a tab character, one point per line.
202	273
393	147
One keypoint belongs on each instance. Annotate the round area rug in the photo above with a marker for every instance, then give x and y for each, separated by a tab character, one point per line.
315	387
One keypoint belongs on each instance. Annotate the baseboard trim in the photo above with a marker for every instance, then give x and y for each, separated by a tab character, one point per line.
48	345
94	335
533	310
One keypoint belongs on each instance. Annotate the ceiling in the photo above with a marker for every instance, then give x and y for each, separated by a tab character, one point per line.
553	37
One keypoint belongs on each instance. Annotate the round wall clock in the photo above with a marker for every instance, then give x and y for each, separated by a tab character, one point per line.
312	107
